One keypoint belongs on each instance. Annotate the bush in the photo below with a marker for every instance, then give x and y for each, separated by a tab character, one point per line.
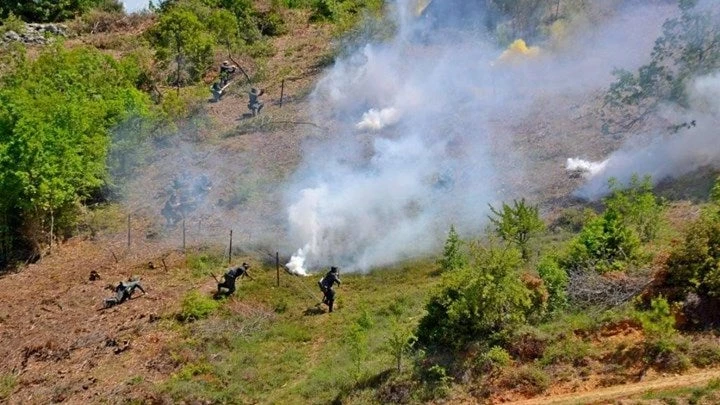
637	206
495	358
556	281
481	302
604	244
705	353
196	305
12	23
527	379
694	265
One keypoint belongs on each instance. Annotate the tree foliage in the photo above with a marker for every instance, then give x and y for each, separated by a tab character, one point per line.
52	10
480	302
453	257
694	265
556	281
517	224
604	244
637	205
689	46
56	113
182	43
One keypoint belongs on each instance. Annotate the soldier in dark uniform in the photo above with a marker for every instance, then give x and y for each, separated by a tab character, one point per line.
170	210
254	103
123	292
227	287
326	286
226	72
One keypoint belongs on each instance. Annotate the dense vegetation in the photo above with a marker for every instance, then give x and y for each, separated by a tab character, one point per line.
513	308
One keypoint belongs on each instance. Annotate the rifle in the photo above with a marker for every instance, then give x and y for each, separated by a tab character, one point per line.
216	279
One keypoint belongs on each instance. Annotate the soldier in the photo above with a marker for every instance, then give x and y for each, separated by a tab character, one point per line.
230	276
123	292
254	103
226	72
326	286
169	210
216	90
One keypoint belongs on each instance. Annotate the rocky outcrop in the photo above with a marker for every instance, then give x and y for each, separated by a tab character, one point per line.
36	34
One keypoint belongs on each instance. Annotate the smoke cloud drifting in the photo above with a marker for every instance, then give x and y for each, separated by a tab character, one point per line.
416	145
670	155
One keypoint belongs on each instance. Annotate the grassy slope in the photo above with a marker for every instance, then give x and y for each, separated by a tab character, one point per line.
294	351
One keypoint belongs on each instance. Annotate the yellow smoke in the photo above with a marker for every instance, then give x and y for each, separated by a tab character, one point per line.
420	6
518	51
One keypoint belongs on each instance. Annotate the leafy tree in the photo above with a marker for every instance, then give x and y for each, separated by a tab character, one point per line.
480	302
399	342
604	244
517	224
50	10
56	113
688	47
452	258
180	38
694	265
556	281
639	208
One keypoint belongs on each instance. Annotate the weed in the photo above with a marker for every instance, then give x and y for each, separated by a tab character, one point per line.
195	305
7	385
528	379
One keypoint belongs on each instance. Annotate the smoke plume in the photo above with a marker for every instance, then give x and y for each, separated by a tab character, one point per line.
676	153
423	133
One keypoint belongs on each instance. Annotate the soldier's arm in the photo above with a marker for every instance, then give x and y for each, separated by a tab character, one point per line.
140	287
249	276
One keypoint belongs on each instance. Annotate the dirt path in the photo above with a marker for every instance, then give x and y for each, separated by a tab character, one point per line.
623	391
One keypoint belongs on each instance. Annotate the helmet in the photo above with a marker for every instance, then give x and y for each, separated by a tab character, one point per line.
225	63
333	269
253	90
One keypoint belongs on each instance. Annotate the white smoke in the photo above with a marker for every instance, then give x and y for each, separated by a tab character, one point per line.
376	120
587	168
435	140
695	145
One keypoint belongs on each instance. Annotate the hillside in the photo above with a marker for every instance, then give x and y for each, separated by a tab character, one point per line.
383	127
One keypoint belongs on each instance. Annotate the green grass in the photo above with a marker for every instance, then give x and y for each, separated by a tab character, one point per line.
249	351
7	385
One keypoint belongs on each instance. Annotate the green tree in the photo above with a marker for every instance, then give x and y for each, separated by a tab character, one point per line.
400	342
481	302
56	114
694	265
689	46
517	224
180	38
604	244
51	10
639	208
556	281
453	257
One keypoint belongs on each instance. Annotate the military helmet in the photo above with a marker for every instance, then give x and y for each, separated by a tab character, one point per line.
225	63
333	269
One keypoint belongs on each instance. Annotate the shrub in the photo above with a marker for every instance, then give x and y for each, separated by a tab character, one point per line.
637	206
196	305
527	379
705	353
556	281
495	358
12	23
604	244
694	265
481	302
